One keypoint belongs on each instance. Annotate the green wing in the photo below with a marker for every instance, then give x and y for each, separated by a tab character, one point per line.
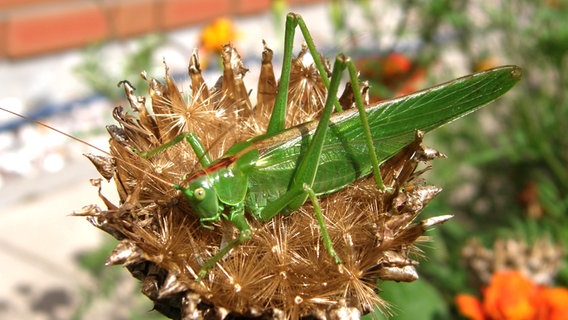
393	123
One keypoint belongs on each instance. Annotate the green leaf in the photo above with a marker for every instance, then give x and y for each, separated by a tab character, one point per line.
417	300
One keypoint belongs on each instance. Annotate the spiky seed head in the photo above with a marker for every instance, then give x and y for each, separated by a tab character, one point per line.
283	271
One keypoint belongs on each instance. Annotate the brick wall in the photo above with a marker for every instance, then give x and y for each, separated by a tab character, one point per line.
34	27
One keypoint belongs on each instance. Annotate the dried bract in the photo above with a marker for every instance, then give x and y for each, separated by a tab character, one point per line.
539	262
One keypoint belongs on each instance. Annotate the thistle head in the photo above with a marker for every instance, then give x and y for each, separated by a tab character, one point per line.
283	271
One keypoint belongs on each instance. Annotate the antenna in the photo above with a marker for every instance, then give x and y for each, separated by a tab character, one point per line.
39	123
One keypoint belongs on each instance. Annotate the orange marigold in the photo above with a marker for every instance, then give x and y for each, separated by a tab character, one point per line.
213	37
393	75
470	306
512	296
554	304
396	64
217	34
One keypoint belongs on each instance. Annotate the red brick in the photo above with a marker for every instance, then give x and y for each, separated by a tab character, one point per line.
2	36
132	17
12	4
303	2
244	7
176	13
56	28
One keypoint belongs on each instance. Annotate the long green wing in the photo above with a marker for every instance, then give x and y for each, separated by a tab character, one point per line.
393	123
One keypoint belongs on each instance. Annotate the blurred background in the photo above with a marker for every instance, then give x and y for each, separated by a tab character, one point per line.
505	179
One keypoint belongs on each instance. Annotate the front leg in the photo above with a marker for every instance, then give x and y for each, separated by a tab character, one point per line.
193	141
239	221
205	220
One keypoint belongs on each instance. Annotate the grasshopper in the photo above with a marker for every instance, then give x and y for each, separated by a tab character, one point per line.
279	171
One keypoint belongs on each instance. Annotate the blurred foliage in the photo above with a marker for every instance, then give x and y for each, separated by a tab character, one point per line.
427	303
506	175
102	74
108	286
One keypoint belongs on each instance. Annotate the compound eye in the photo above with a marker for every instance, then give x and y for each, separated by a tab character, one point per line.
199	194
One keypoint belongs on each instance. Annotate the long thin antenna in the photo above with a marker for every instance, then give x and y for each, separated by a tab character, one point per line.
39	123
56	130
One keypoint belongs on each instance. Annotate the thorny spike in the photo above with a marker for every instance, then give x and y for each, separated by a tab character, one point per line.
200	92
435	220
267	87
233	87
105	165
139	104
347	101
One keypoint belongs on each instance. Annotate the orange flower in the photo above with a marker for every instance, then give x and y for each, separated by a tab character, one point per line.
485	63
555	304
511	296
216	34
470	306
393	75
213	37
396	64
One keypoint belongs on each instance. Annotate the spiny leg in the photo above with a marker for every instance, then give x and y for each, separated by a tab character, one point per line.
237	219
278	117
307	168
243	236
301	186
285	200
193	141
354	79
323	228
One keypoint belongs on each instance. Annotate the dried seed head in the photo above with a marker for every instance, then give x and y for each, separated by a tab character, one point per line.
283	271
540	262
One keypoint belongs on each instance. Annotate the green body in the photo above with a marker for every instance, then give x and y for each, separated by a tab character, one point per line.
279	171
344	156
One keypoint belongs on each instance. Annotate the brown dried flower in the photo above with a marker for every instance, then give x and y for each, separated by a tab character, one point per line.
283	271
539	262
